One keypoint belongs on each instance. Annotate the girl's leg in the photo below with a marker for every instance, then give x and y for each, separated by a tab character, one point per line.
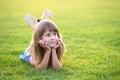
25	56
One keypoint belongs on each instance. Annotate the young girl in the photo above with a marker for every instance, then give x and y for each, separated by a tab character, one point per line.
46	49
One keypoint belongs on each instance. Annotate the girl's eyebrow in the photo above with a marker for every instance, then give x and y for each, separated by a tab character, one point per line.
47	33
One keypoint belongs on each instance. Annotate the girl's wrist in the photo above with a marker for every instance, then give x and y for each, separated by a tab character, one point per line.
48	52
48	49
53	49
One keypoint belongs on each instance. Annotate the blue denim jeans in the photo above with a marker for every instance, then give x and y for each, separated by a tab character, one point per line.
24	56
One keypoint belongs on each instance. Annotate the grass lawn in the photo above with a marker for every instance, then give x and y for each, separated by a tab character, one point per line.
90	30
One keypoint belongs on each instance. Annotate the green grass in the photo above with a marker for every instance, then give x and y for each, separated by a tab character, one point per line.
90	30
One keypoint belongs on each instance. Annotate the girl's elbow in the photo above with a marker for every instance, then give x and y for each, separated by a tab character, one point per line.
57	67
40	67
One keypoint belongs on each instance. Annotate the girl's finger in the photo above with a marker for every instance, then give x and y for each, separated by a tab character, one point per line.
43	42
59	41
46	43
40	41
57	45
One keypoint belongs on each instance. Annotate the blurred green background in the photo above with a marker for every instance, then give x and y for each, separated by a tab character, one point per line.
90	30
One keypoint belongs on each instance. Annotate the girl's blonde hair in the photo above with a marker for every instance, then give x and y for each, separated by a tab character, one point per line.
36	50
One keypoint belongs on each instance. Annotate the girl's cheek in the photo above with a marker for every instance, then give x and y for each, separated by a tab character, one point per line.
46	39
57	38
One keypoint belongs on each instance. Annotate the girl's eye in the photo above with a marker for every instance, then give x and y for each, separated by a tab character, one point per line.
55	33
47	34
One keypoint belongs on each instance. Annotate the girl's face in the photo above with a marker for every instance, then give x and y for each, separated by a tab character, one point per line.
50	37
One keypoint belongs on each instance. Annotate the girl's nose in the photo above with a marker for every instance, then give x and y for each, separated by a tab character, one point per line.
52	37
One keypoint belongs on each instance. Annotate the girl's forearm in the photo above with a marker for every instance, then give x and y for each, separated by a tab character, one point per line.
56	63
44	63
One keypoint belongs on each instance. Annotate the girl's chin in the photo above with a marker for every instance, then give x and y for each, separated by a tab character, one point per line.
51	45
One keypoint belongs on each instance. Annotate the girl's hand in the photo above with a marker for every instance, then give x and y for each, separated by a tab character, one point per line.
44	44
58	44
